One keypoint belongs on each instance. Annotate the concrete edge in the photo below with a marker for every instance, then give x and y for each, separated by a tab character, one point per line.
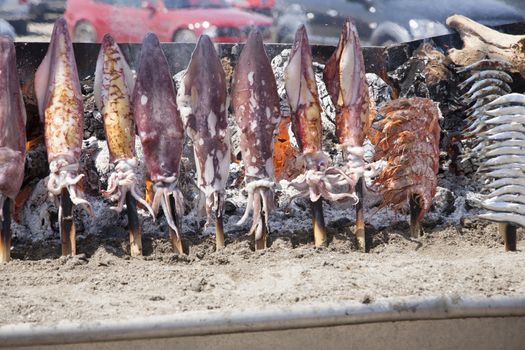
260	320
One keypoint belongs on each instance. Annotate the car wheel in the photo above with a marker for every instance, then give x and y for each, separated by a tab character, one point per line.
84	33
387	41
184	36
20	27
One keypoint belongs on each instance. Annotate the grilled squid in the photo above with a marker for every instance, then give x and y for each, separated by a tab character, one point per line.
503	159
12	125
344	75
320	180
160	129
202	101
257	113
60	106
113	87
488	81
409	143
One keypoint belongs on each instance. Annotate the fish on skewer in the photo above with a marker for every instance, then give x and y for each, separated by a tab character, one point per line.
12	141
409	143
503	164
320	181
61	109
161	133
345	79
113	86
488	81
203	103
257	113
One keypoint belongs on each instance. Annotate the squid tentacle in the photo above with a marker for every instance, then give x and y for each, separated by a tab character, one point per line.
63	175
123	180
260	201
165	189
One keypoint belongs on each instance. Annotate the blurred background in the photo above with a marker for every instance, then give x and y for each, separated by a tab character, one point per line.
379	22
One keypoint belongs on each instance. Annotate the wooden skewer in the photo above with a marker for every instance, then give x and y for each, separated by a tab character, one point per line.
262	243
508	231
360	231
219	232
67	225
415	225
176	242
320	237
135	231
219	226
5	234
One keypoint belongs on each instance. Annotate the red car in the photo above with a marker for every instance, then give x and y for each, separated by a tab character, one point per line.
171	20
264	7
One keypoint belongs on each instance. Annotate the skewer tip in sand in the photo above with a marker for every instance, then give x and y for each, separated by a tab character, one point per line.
135	230
5	234
67	225
360	231
415	210
508	232
320	237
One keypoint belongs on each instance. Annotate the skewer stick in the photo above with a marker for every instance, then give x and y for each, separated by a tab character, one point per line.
415	210
135	231
508	231
5	234
320	237
219	232
67	225
176	242
360	232
263	242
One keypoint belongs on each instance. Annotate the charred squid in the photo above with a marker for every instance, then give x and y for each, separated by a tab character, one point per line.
12	141
320	180
344	75
60	106
257	113
203	103
161	132
114	83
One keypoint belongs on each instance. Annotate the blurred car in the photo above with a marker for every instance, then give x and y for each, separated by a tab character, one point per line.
17	13
381	22
7	30
264	7
42	8
171	20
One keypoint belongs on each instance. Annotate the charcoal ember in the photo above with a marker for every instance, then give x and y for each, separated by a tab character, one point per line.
39	215
36	165
93	182
278	64
187	183
379	91
425	74
94	125
443	202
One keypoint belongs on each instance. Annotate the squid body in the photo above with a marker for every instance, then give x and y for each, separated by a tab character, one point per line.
60	106
344	75
203	103
12	125
320	180
114	84
160	129
257	113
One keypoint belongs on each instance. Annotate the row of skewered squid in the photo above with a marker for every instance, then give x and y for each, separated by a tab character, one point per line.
149	104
